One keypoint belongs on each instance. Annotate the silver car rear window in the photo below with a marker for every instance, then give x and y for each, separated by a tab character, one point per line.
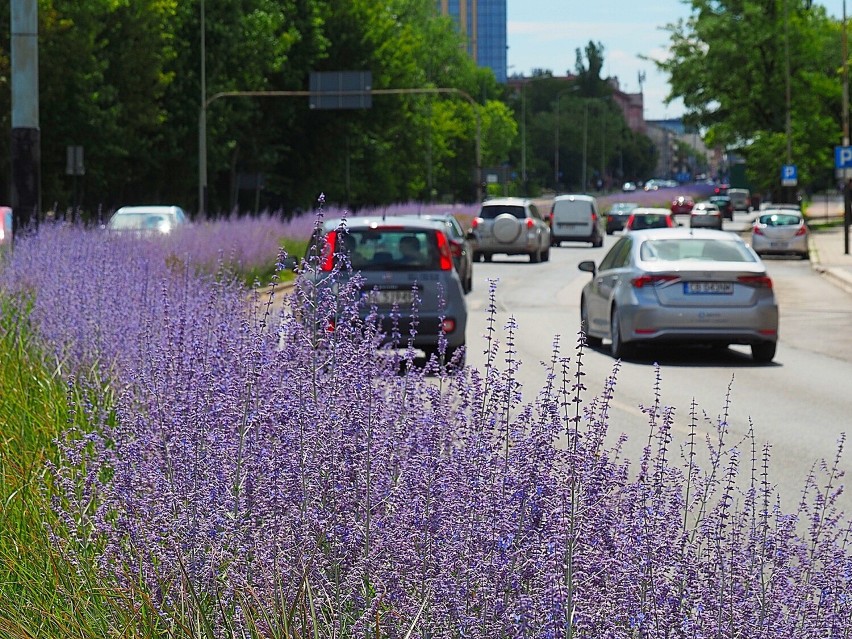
780	219
676	250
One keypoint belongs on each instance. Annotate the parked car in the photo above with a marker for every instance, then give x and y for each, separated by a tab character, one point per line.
740	199
147	219
645	217
617	216
780	232
725	205
693	286
459	245
682	204
407	273
705	215
575	218
628	187
512	226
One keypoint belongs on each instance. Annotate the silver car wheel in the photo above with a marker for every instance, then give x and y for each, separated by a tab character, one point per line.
591	340
618	348
507	228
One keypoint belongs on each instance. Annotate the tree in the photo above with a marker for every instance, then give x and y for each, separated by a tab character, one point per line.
740	100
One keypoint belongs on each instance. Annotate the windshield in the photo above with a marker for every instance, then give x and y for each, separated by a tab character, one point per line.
676	250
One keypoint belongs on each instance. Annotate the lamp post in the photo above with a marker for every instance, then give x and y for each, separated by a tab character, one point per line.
202	125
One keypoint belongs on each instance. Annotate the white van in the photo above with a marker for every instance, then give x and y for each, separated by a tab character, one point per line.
574	218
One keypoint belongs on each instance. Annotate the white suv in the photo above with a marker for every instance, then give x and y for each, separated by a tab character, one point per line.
511	226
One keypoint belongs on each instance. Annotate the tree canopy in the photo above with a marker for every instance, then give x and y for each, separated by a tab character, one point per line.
730	63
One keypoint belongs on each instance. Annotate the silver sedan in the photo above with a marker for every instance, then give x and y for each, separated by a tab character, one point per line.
694	286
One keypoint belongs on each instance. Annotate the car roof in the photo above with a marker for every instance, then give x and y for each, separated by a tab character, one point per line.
515	201
574	196
685	232
375	221
153	209
650	210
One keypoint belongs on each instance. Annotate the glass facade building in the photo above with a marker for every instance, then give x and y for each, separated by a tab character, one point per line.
483	22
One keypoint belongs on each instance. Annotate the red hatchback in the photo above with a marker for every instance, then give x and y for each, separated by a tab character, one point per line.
682	205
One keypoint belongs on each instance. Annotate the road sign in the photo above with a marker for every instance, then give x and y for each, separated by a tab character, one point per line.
341	89
789	175
843	157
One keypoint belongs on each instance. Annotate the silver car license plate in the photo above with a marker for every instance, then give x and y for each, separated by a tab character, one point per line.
708	288
389	298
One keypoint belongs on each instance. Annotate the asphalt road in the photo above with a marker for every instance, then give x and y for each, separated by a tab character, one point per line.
800	404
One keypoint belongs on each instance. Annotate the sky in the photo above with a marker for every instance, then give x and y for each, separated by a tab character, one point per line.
545	34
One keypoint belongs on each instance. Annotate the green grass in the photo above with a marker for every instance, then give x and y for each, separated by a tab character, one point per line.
41	594
263	274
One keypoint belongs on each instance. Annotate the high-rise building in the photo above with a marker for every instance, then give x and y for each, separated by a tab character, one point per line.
483	23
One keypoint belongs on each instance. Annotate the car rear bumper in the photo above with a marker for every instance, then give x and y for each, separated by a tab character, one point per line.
709	324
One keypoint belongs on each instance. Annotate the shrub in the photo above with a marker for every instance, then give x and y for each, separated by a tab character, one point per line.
261	474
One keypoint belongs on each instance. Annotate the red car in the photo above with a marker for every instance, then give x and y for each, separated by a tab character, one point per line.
682	204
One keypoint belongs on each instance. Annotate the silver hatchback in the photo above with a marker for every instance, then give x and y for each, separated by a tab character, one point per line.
512	226
407	277
696	286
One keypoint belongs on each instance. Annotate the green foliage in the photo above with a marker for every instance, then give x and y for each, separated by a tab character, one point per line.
740	101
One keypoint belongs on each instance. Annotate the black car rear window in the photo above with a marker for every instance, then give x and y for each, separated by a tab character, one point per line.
390	249
491	212
649	221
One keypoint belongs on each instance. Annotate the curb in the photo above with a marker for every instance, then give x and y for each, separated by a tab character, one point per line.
839	277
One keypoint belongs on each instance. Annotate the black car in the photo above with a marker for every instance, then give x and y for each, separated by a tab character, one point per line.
459	246
617	216
726	206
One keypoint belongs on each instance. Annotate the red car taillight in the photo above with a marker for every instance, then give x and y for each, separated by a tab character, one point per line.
652	279
802	231
476	222
448	325
530	223
444	251
757	281
758	230
328	251
456	248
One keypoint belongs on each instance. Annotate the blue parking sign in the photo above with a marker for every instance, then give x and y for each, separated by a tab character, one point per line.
789	175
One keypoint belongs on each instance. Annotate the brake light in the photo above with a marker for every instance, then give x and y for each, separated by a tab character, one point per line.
530	223
446	257
629	224
594	218
669	221
448	325
802	230
758	230
455	248
652	279
757	281
328	251
476	222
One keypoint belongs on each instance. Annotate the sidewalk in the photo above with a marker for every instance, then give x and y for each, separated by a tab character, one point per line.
827	243
827	247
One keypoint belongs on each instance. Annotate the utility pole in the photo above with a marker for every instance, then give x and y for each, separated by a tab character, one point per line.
25	196
847	183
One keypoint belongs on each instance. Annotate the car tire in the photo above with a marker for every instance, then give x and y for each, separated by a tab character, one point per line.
535	256
597	242
468	285
591	340
506	228
487	257
545	257
763	352
618	348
